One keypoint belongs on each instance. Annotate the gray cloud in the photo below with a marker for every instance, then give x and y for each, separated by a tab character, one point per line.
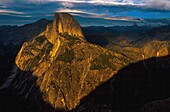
95	2
67	4
154	4
3	6
157	4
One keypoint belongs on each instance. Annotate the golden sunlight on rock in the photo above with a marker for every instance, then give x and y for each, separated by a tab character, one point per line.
68	68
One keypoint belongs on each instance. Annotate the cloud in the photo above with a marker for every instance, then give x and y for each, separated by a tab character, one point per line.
2	11
67	4
81	13
157	4
85	14
132	19
120	18
3	6
70	11
102	2
154	4
112	2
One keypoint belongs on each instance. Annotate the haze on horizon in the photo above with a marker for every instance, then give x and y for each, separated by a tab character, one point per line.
87	12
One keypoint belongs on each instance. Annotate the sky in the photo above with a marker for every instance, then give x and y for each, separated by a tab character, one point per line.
87	12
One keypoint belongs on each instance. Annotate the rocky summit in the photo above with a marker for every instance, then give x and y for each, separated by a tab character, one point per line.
66	66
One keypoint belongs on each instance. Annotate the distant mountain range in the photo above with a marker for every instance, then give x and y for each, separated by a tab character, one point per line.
126	35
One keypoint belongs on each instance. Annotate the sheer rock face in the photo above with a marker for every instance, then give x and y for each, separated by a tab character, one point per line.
66	66
63	23
67	24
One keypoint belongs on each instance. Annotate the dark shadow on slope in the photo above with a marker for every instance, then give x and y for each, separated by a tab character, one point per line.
97	39
11	40
7	60
23	95
131	88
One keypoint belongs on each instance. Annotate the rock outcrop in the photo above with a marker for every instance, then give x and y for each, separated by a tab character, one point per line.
63	23
11	40
149	50
66	66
